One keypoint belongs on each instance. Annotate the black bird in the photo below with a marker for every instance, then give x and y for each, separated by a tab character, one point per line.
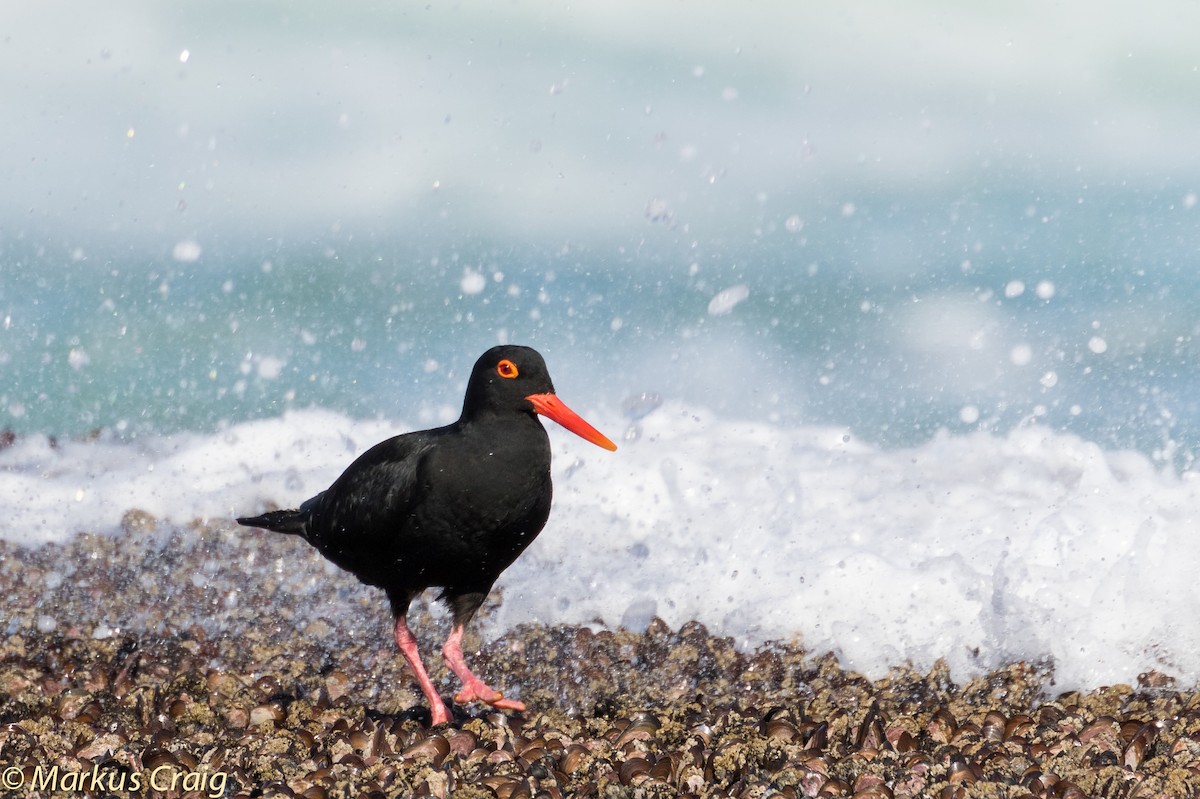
450	508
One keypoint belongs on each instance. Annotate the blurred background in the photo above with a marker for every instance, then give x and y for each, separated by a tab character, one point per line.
902	220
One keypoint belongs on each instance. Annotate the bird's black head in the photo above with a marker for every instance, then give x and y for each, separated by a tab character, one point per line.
502	379
512	379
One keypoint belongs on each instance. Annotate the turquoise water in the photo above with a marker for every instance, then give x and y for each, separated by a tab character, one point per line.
1078	311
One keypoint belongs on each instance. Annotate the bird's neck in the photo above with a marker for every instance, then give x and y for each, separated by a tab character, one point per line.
480	418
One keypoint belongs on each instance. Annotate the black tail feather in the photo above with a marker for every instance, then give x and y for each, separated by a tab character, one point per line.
293	522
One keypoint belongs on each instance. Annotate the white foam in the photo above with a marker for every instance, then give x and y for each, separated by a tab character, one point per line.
977	548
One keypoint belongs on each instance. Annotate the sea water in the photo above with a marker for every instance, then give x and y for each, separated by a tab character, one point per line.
981	548
967	470
901	352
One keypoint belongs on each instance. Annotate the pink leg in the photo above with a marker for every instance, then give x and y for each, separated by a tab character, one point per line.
474	689
408	647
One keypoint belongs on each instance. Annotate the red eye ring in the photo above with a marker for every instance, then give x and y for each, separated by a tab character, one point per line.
507	369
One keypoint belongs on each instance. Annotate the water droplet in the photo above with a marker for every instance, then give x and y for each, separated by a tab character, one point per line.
725	301
187	251
639	406
658	210
472	282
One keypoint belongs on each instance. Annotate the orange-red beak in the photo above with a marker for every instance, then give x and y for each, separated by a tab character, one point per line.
550	406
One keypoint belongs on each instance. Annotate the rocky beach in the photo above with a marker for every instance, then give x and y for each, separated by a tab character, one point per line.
213	661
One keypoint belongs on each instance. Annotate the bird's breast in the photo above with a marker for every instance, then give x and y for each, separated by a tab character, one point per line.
490	497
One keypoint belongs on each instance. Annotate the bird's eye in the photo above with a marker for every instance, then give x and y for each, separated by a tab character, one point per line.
506	368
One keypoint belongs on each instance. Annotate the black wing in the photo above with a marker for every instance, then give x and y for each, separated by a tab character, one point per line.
356	522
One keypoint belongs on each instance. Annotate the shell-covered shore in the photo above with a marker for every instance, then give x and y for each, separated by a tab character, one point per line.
219	662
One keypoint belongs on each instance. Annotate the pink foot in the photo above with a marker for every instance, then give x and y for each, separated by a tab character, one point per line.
474	689
479	691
